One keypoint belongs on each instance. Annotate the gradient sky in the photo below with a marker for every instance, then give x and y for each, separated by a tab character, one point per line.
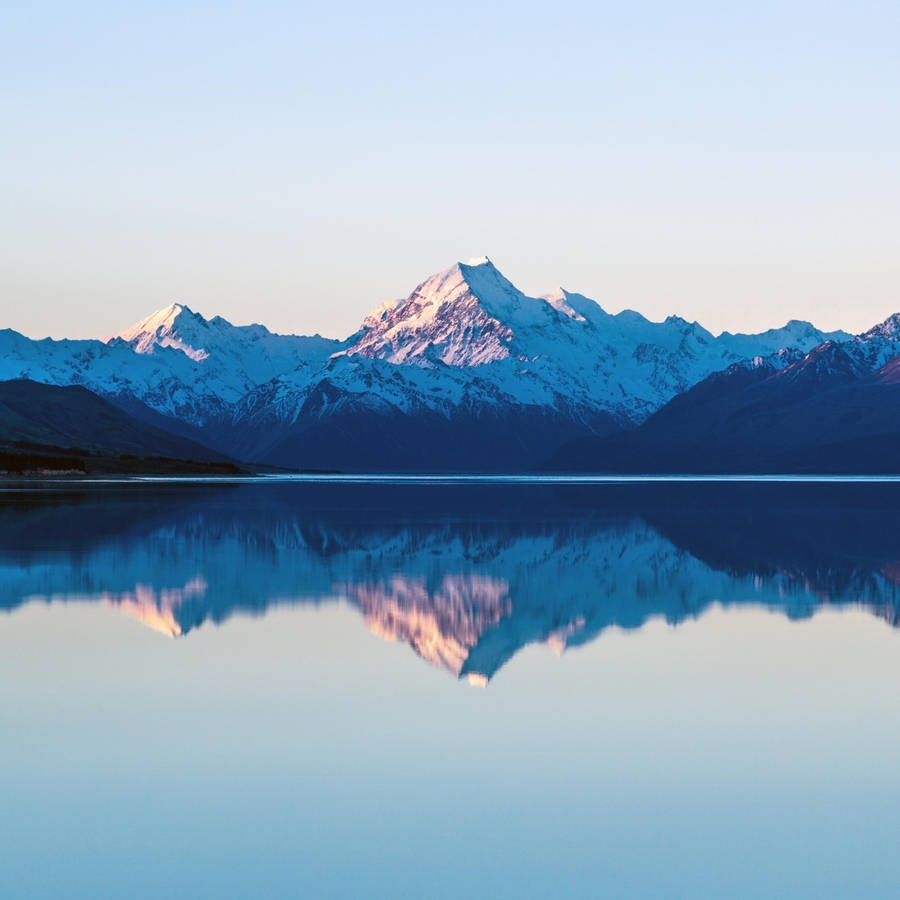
297	164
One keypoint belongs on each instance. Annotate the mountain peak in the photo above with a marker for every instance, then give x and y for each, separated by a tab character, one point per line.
463	316
560	301
682	326
173	326
889	328
679	322
164	317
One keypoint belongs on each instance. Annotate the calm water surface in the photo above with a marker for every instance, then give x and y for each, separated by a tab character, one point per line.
450	689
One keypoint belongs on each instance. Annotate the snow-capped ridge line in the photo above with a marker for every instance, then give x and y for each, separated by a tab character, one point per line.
465	345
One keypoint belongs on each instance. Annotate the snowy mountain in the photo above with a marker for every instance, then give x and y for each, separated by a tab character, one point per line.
458	316
246	355
414	417
833	409
167	381
174	363
622	365
466	372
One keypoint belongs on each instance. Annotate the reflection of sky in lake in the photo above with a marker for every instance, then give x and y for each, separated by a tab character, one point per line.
738	754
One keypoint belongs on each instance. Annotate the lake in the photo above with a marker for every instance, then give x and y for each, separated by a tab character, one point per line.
450	688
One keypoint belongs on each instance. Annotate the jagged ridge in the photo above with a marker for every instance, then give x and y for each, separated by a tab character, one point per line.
467	371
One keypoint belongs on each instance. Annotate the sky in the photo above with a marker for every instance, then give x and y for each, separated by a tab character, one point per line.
297	164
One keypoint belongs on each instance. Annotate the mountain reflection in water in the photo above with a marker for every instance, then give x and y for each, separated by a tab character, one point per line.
466	575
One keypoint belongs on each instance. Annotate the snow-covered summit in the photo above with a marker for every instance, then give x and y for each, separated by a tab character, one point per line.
875	347
889	328
173	326
240	356
462	312
562	301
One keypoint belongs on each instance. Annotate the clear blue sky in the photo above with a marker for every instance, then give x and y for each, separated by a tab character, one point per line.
298	163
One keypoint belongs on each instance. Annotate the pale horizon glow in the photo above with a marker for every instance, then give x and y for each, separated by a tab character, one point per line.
297	167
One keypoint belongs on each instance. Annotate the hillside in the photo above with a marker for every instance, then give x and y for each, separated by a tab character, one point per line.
69	428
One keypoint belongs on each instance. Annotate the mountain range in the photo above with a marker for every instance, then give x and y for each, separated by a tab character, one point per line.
468	373
834	409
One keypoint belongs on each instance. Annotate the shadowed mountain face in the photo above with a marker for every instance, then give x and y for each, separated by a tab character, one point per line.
465	575
74	417
832	410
